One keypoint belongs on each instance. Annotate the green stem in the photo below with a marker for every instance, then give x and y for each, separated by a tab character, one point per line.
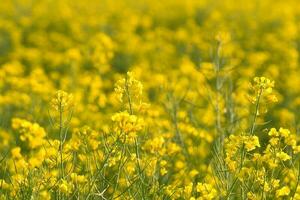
61	140
256	111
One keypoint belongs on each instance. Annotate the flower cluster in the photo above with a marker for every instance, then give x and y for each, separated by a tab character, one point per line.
62	101
149	99
31	134
129	91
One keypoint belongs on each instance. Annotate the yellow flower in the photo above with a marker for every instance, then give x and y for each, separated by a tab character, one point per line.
223	37
188	190
244	173
31	134
296	149
252	196
273	132
163	171
275	183
251	142
35	162
127	123
284	132
154	145
16	153
62	101
264	83
65	187
262	88
284	191
78	178
129	88
207	191
283	156
274	141
3	185
193	173
232	165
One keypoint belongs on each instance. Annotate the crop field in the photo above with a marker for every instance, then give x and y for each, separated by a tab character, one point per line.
149	100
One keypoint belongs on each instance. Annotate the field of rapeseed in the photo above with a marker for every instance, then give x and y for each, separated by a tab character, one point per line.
142	100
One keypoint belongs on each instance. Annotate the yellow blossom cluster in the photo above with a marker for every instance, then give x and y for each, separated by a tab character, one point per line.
172	99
